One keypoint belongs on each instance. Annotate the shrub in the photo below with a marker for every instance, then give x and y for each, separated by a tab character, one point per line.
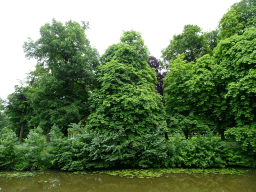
200	151
7	152
245	137
116	149
237	157
67	154
29	155
94	150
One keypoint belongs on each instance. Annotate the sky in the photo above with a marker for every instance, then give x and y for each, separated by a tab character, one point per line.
157	21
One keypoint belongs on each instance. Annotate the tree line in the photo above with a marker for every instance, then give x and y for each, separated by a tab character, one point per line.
209	84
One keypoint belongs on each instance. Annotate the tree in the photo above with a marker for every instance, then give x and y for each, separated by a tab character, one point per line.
33	82
181	113
237	55
240	16
63	92
19	111
206	91
154	63
211	39
34	77
126	101
109	54
223	86
190	43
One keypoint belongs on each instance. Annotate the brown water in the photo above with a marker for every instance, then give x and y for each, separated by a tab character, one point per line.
177	182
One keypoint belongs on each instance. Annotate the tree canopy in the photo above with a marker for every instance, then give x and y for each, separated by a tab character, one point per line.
190	43
62	94
182	115
237	55
126	99
240	17
19	111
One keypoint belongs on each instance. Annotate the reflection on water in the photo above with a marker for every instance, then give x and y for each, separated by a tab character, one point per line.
183	182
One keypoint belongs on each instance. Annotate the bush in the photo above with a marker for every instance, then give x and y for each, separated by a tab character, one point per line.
245	137
117	149
95	150
237	157
7	152
200	152
29	155
67	154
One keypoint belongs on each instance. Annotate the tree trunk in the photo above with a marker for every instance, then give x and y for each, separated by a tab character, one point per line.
186	133
166	135
221	130
222	134
21	133
198	133
190	135
48	138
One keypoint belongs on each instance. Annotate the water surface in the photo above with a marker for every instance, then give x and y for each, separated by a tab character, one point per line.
90	182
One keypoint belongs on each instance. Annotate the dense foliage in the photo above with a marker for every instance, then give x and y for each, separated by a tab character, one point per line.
30	156
85	151
126	98
154	63
8	139
117	109
189	43
237	56
200	152
241	16
182	114
63	92
20	111
192	43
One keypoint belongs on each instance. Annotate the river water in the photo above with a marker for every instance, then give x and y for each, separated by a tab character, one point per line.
58	181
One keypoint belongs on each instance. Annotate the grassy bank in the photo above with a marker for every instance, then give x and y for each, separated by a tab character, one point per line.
131	173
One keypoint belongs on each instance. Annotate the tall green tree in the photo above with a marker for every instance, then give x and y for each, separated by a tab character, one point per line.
190	43
181	113
237	55
240	16
206	90
63	93
33	83
152	61
222	86
19	111
126	101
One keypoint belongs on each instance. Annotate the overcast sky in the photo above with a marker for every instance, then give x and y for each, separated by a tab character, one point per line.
157	21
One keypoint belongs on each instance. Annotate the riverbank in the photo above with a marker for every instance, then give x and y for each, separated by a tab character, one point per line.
131	173
79	155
